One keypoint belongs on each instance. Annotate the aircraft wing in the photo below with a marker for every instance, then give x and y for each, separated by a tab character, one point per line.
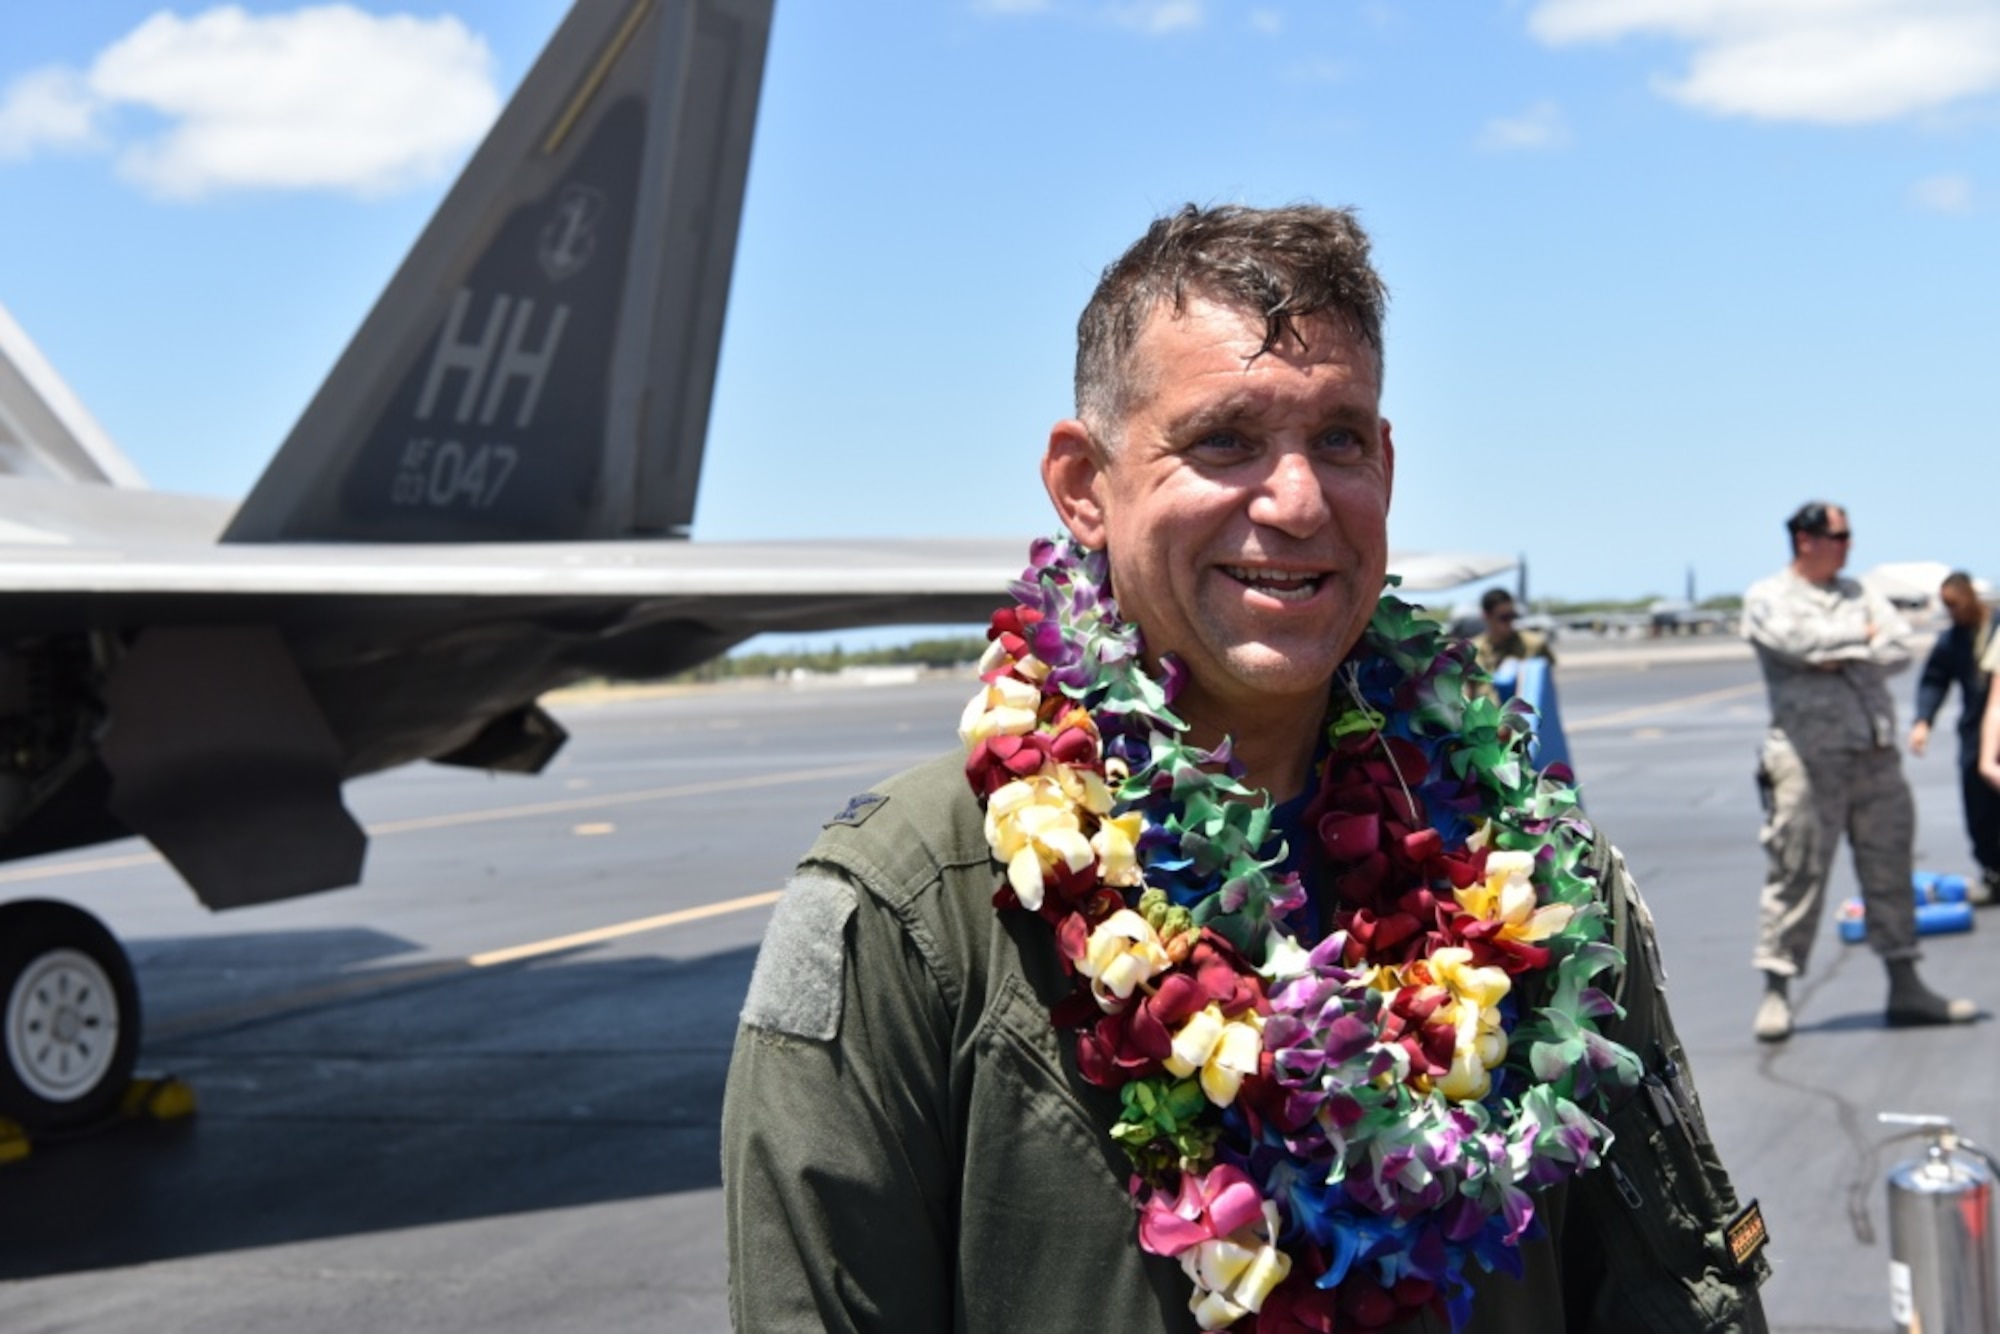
231	689
1422	571
208	581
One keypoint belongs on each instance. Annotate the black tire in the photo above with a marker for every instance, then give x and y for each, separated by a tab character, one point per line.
69	1016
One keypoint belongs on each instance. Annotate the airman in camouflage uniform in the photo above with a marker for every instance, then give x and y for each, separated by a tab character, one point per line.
1501	640
1830	766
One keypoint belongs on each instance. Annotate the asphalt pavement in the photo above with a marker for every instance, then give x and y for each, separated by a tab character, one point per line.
481	1091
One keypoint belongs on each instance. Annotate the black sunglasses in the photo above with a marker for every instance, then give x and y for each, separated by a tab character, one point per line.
1845	535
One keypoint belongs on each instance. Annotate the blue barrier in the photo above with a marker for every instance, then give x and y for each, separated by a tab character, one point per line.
1532	681
1942	908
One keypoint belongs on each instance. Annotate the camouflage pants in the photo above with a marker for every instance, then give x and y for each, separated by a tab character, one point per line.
1810	800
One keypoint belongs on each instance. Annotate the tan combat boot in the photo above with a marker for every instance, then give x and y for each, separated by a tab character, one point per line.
1774	1012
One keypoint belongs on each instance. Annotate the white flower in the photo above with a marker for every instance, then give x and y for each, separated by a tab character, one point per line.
1233	1275
1031	826
1123	952
1224	1051
1006	707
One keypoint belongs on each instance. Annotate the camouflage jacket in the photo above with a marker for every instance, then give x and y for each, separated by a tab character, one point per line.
1523	644
1827	651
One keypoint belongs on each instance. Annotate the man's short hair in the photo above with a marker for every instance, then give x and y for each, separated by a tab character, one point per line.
1287	265
1959	580
1495	599
1814	517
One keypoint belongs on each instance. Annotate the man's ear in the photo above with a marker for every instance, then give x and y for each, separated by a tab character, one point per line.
1073	473
1388	461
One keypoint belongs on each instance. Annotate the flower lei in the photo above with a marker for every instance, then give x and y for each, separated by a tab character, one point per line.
1323	1134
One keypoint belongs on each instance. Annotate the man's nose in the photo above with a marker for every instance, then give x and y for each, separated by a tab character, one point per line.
1291	498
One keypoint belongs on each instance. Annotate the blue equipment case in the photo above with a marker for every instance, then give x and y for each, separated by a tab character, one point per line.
1941	908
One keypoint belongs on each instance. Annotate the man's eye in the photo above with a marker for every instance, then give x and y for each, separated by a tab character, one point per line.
1341	440
1220	442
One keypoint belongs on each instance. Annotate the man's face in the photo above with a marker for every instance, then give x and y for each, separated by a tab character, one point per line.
1822	554
1244	505
1500	621
1961	604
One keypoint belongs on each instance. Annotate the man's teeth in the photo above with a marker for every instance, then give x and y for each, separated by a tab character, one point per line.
1285	585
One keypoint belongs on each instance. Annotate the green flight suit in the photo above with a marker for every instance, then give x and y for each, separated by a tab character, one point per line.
908	1147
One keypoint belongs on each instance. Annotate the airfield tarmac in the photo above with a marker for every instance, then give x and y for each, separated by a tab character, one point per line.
405	1127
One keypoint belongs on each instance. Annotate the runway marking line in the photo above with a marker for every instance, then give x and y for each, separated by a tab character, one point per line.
360	985
126	861
597	935
1624	716
570	804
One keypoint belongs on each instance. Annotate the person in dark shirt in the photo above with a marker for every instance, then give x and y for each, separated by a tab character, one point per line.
1954	660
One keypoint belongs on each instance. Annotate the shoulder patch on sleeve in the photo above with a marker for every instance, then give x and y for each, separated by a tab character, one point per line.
858	808
800	974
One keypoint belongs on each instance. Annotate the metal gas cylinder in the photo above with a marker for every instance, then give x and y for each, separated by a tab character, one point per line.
1941	1262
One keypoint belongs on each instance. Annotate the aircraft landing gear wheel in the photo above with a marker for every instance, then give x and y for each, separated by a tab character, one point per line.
69	1016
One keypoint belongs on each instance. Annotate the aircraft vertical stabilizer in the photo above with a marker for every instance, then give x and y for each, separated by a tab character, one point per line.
540	367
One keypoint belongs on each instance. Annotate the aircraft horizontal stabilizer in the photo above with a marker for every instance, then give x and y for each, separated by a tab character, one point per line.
45	431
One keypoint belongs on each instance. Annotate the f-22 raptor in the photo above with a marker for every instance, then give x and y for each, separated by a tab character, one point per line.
485	501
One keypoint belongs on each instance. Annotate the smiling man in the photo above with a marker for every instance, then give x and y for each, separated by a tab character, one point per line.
1238	973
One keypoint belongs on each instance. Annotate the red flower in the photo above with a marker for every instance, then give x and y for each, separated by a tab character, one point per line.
1134	1042
1372	827
1298	1306
1000	760
1010	626
1409	1020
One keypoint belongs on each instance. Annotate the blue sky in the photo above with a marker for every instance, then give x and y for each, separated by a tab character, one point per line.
1661	269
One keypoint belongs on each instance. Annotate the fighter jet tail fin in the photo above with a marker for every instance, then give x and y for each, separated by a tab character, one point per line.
540	367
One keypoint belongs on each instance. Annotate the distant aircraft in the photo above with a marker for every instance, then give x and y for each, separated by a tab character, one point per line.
481	504
1678	616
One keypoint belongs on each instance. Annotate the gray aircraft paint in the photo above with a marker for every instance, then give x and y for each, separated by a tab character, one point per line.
498	433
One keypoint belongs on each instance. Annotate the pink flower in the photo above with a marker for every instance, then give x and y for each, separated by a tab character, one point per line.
1208	1205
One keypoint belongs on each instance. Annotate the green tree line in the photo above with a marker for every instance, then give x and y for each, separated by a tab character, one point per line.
922	653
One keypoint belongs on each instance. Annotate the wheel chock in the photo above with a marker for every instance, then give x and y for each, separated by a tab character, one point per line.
147	1098
158	1098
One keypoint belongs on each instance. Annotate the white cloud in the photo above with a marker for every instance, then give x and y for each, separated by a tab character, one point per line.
1834	62
46	109
326	97
1152	17
1159	16
1540	126
1943	194
1267	21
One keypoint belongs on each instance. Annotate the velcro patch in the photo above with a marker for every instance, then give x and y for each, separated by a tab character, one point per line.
801	972
857	809
1746	1234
